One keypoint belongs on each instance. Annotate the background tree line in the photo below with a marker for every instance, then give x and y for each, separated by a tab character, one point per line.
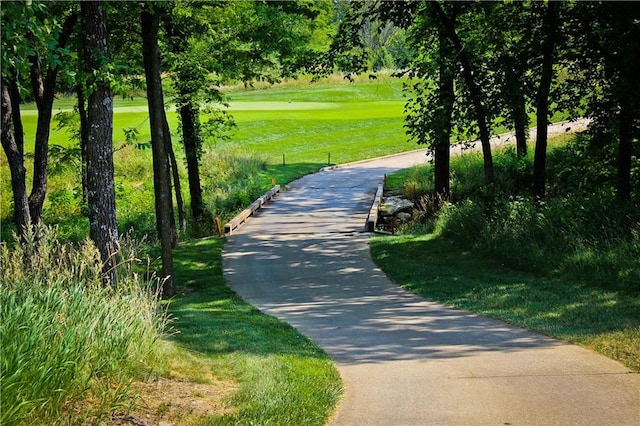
476	66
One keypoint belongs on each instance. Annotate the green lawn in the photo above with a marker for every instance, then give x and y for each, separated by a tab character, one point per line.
284	378
352	121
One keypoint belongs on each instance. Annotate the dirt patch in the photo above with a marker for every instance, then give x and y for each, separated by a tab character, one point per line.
166	402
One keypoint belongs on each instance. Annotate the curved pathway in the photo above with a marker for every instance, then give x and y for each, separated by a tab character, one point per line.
406	361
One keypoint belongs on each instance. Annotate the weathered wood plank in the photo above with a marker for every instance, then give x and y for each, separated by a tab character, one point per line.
372	219
246	213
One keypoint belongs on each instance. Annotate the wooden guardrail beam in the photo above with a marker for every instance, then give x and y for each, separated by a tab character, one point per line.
244	215
372	219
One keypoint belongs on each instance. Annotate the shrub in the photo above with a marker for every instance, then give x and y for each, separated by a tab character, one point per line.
462	222
581	228
71	346
230	182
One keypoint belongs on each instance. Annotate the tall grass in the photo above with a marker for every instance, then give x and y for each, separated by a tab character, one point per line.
231	181
71	346
581	228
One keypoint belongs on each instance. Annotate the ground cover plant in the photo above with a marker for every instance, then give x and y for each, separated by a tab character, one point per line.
567	267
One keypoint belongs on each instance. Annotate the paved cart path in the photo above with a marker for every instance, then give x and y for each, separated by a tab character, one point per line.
406	361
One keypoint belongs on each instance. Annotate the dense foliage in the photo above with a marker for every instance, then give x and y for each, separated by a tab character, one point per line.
581	230
478	65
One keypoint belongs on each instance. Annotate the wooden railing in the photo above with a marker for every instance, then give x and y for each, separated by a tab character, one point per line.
240	218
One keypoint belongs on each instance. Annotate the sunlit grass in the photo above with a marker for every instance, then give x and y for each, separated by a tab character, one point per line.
283	377
294	129
568	267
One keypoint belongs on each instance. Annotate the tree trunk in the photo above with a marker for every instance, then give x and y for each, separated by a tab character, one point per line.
448	24
191	141
18	129
627	59
442	149
549	25
15	158
103	226
84	128
625	150
518	106
161	177
176	183
44	101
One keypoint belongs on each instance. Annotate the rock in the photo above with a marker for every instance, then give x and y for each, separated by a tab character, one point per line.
403	217
393	205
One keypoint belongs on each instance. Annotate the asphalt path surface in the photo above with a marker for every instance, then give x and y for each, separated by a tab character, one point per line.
404	360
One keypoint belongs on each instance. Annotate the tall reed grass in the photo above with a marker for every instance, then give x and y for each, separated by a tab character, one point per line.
70	345
231	181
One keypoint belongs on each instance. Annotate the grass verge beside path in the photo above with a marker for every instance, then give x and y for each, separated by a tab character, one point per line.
603	320
284	378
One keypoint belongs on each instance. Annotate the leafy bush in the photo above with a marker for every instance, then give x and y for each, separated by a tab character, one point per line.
581	228
230	182
70	346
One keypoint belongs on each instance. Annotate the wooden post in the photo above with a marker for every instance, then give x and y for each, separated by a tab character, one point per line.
283	162
218	227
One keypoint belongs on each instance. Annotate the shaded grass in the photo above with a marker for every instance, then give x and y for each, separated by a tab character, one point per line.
604	320
284	378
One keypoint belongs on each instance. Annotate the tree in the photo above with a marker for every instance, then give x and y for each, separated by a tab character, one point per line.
548	34
604	53
150	20
13	149
34	39
430	111
192	69
507	31
469	72
216	42
103	228
43	74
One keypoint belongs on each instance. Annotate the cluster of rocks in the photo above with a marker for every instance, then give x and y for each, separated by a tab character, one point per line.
394	210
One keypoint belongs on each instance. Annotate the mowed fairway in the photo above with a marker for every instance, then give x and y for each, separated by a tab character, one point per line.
304	121
350	122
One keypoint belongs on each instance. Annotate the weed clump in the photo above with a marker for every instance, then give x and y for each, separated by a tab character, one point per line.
71	346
